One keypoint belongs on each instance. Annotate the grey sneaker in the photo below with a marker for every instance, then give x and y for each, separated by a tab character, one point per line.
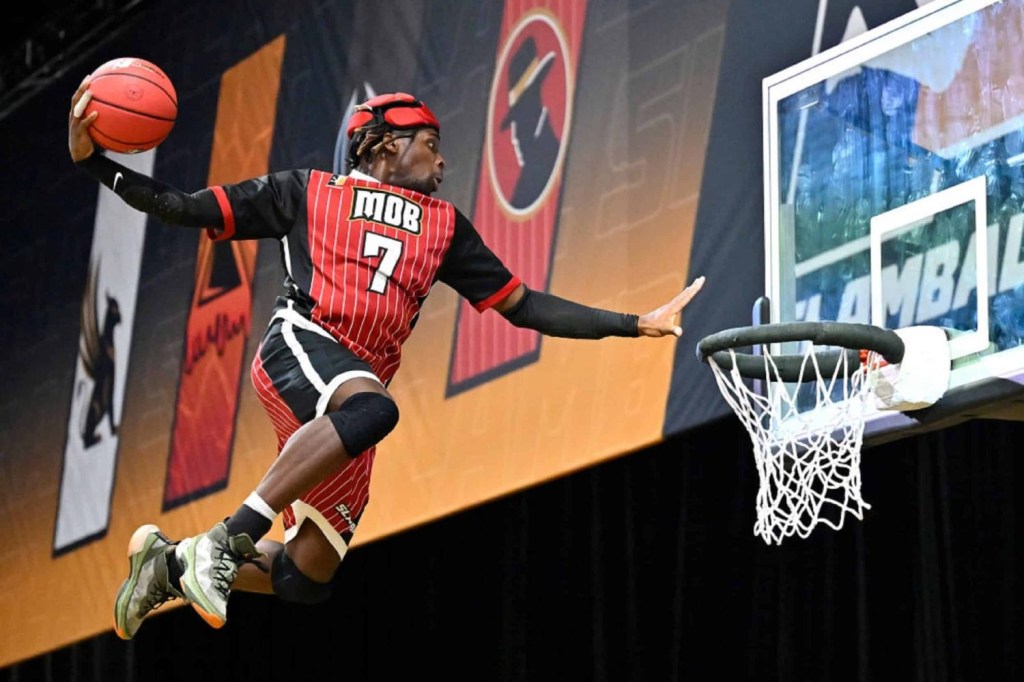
147	586
209	565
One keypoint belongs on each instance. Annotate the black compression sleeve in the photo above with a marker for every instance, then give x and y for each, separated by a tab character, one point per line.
556	316
145	194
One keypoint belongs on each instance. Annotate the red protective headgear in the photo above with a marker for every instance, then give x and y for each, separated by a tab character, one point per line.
399	110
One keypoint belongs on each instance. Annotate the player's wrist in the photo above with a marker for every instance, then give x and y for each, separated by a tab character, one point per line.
631	325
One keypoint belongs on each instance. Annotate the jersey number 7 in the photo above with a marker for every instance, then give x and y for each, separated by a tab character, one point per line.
389	251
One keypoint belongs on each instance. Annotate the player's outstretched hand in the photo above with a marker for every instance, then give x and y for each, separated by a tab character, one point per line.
662	321
79	143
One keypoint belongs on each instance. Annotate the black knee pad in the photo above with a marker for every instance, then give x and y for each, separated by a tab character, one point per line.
363	420
291	585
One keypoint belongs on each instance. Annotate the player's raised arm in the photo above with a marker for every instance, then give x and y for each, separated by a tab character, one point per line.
476	272
555	316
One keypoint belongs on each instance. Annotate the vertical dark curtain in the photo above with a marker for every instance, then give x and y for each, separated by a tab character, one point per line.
645	568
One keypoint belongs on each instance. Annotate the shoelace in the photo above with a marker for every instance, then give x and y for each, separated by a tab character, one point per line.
155	598
226	568
158	594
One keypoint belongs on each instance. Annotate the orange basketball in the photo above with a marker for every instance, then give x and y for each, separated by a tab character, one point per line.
137	103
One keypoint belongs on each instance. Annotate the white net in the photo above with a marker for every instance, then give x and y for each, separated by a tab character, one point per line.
808	460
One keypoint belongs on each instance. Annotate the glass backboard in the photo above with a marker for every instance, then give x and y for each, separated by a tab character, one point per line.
894	195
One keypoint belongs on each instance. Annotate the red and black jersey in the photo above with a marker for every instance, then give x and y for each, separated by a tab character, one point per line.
361	256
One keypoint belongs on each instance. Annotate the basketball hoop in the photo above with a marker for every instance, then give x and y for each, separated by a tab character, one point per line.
807	427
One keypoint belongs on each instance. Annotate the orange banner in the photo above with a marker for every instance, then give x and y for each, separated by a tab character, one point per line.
220	321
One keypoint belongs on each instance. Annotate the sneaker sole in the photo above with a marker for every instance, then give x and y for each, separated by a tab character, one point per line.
212	619
137	547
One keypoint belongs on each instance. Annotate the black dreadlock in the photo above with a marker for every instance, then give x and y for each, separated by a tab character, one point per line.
368	139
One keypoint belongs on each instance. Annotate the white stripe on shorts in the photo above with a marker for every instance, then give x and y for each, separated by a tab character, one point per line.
303	512
288	331
325	396
325	390
290	315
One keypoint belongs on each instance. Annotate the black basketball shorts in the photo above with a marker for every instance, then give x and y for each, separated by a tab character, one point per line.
296	370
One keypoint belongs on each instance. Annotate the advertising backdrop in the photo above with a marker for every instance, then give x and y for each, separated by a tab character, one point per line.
583	138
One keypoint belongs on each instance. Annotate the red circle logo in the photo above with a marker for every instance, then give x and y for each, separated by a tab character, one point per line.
529	114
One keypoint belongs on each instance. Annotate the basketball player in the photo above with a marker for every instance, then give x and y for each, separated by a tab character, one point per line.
361	252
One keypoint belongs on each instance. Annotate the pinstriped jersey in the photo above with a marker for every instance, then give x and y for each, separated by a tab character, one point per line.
360	256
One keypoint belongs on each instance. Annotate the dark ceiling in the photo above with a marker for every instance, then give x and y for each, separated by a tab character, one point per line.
37	42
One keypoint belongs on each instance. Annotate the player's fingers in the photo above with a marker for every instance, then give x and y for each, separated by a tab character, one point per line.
687	294
696	285
82	87
81	104
691	290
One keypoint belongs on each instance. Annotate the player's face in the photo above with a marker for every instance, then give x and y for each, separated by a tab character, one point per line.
419	165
